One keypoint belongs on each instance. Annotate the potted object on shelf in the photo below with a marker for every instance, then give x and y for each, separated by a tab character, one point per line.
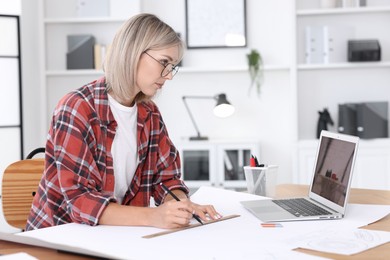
255	64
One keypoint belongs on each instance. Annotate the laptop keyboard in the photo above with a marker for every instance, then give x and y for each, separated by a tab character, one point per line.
301	207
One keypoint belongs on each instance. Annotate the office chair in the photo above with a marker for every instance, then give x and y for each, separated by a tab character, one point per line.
19	184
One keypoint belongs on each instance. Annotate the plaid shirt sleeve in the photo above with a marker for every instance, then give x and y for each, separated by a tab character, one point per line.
79	179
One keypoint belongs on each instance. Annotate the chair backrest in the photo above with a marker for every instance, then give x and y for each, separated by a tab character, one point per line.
19	184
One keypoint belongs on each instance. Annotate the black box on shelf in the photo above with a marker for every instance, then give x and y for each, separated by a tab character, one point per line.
364	50
80	52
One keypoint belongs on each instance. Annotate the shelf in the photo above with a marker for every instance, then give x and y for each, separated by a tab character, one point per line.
345	65
335	11
231	69
374	142
55	73
59	73
75	20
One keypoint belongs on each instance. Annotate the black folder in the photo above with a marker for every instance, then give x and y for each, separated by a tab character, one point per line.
371	118
80	52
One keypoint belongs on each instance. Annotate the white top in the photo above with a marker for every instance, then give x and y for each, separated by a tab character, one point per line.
124	146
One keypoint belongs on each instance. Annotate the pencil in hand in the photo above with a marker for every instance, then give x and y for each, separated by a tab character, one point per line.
176	198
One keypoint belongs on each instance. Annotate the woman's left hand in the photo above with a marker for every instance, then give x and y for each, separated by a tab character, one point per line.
206	212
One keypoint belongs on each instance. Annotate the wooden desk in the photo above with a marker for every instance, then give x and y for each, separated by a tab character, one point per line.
362	196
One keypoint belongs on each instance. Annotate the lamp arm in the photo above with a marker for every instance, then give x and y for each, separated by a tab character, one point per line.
191	116
189	111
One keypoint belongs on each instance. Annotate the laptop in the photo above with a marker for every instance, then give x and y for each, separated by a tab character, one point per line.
329	188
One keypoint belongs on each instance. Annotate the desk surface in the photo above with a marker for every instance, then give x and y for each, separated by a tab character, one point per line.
359	196
362	196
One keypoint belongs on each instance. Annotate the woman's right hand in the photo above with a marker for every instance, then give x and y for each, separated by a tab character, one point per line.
172	214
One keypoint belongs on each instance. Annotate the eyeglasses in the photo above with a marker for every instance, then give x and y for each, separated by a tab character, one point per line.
168	67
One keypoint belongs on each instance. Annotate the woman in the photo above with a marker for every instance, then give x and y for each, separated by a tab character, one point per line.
108	149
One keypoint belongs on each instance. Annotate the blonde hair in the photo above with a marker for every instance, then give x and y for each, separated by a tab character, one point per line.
137	35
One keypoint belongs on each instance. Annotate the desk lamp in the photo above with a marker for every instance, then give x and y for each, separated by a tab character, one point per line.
222	109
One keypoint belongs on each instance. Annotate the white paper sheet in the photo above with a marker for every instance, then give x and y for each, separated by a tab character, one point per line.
342	241
237	238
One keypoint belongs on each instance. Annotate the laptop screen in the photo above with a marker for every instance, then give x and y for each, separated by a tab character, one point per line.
333	169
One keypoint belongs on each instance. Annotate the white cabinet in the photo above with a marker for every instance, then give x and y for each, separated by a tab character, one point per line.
306	151
216	163
372	165
11	124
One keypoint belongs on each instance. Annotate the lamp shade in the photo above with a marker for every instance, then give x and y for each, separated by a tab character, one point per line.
223	108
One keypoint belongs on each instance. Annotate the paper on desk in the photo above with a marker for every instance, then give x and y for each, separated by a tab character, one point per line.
17	256
342	241
125	243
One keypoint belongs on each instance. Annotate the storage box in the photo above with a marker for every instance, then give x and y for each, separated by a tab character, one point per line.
261	180
80	52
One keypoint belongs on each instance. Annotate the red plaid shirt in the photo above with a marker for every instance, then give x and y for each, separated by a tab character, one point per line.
78	181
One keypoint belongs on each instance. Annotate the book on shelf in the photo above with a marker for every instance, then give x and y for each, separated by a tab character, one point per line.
100	51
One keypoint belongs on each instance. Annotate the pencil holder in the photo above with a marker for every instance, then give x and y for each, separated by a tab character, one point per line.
261	180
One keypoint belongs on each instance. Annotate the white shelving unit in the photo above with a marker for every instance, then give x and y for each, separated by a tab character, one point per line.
327	85
59	19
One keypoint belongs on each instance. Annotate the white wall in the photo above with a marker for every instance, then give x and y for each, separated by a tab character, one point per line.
31	83
269	118
10	7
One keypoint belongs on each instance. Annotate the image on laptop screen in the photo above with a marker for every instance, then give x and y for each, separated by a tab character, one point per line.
333	169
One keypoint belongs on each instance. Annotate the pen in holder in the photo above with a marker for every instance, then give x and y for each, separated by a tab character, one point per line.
261	180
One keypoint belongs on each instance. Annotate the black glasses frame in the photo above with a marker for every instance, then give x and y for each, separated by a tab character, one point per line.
174	68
